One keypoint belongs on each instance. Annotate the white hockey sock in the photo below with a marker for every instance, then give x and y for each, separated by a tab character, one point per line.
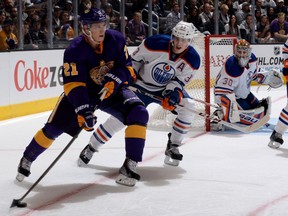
105	131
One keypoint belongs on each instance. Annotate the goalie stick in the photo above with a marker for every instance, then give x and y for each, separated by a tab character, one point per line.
244	129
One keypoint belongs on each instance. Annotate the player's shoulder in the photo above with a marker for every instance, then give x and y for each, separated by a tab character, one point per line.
193	57
76	46
232	67
253	58
111	33
113	36
157	42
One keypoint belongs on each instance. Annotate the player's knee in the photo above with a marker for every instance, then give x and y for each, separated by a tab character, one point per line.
138	115
51	132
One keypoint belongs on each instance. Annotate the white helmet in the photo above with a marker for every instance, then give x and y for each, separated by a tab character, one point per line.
184	30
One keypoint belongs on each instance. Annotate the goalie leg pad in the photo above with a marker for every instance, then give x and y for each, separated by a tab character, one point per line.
251	116
229	106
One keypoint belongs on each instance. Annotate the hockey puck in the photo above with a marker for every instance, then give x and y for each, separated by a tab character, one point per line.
21	204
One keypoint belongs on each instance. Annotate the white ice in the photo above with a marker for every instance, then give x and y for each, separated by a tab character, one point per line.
222	174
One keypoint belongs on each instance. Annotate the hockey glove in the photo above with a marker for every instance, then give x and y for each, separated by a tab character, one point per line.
110	84
273	78
86	116
171	98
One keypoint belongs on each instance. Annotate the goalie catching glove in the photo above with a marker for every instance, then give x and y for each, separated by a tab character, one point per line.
171	98
273	78
86	116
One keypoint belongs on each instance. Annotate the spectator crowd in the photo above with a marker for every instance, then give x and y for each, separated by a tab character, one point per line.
269	22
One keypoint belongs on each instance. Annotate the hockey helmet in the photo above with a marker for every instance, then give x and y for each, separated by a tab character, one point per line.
184	30
94	15
242	52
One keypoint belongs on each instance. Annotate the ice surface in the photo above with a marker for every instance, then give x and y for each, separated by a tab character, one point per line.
222	174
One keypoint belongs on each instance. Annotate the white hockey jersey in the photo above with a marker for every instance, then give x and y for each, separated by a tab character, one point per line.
157	68
235	79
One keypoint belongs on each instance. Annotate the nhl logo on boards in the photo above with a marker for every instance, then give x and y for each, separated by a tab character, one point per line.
276	50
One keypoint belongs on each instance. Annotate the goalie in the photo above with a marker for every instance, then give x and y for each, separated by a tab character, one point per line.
237	104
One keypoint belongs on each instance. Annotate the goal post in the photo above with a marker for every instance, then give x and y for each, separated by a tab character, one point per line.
214	50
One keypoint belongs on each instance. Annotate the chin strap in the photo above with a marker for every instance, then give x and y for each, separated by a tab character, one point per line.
89	36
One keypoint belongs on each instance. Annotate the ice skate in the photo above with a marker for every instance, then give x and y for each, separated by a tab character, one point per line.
127	173
275	140
23	169
173	156
86	155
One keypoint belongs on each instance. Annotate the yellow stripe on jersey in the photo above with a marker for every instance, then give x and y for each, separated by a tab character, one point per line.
55	108
43	140
132	73
70	86
135	131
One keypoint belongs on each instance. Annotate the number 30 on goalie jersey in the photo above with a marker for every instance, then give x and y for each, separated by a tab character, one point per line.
235	79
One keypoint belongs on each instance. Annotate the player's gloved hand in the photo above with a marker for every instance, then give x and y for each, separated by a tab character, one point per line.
11	43
86	116
110	84
218	113
171	98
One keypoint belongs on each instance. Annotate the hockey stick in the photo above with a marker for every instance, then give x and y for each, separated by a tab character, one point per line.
244	129
242	114
18	202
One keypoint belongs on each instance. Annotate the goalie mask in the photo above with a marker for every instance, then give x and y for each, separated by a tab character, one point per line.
242	52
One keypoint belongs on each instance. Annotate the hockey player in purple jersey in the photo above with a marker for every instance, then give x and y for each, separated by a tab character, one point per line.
96	63
164	65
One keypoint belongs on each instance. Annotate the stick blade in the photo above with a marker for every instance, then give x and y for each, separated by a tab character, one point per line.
18	203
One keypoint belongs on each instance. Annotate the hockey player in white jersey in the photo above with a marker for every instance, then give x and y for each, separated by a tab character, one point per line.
276	138
164	65
232	88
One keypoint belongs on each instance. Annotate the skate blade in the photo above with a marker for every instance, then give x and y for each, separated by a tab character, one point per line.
274	145
81	163
171	162
124	180
20	177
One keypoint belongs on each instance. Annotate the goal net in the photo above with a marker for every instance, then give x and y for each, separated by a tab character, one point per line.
213	50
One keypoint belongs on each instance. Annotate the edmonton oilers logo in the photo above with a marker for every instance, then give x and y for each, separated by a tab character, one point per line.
162	73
